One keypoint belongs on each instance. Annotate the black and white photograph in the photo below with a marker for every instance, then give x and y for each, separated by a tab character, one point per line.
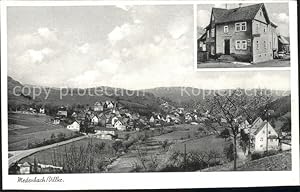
107	96
243	35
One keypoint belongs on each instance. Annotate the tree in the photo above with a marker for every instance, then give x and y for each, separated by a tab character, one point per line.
225	134
232	106
117	145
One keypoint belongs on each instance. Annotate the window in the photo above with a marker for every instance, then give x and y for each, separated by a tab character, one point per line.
238	44
265	44
241	26
257	27
261	139
237	27
261	146
271	140
257	45
241	44
244	44
260	13
265	29
269	132
226	29
244	26
212	32
207	33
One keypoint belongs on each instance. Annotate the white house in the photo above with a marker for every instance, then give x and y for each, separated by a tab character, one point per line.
264	137
119	126
244	126
75	126
98	106
56	121
42	110
25	168
114	120
151	120
95	120
105	133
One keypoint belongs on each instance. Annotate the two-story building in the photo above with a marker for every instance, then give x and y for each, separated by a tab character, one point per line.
243	33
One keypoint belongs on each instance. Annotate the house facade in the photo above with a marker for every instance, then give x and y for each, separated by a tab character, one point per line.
244	33
75	126
264	138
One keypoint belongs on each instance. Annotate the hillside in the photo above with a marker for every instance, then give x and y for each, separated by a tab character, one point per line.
131	99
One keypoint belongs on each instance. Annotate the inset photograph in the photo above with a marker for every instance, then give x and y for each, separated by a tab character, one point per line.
243	35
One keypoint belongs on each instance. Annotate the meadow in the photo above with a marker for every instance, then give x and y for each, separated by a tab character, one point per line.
25	130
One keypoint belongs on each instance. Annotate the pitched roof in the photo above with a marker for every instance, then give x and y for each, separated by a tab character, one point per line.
237	14
283	40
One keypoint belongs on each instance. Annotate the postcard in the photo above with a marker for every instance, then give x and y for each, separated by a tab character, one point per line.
149	94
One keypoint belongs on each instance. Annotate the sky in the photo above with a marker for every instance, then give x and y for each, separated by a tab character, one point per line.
278	13
132	47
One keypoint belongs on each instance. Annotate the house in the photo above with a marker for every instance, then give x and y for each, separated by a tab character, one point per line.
25	168
94	120
74	115
119	126
75	126
105	133
62	111
98	106
151	120
283	44
244	126
56	120
42	110
264	138
244	33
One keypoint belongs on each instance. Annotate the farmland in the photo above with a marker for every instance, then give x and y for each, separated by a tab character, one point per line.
25	130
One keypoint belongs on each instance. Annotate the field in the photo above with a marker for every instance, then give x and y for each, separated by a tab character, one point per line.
27	129
58	153
202	144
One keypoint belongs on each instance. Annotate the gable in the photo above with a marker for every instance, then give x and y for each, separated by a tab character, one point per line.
261	16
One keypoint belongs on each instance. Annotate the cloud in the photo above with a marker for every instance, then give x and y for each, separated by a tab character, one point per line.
38	56
84	48
119	32
281	17
46	33
180	26
203	18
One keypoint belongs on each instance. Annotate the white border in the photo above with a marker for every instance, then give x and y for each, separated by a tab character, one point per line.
155	180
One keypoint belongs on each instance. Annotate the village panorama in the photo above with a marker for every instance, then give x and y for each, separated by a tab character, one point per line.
163	129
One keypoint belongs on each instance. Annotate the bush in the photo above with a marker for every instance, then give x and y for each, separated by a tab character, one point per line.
258	155
229	152
242	58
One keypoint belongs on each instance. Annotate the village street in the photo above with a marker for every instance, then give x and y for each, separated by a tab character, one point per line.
227	64
18	155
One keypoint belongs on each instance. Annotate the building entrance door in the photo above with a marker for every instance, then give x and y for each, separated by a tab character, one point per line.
227	47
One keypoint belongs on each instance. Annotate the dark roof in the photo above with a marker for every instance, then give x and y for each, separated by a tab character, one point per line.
237	14
283	40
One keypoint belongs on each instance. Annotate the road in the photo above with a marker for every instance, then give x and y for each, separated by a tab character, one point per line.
221	64
18	155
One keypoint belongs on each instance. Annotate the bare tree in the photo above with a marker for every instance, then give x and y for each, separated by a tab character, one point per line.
229	108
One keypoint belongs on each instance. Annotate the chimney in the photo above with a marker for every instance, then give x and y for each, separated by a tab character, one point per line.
240	5
226	6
